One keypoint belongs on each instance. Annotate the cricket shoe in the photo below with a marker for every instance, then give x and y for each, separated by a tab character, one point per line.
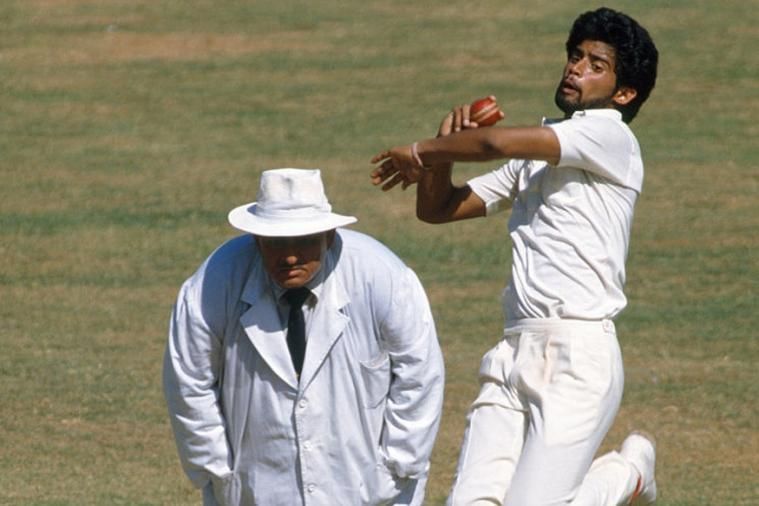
639	449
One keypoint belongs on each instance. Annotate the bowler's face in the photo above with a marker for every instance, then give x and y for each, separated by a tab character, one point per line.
293	261
589	80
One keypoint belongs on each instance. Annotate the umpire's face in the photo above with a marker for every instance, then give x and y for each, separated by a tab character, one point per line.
294	261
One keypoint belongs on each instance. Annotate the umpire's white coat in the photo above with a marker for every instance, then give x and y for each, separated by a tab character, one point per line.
370	397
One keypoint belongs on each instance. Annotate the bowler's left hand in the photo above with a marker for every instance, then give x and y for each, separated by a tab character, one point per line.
396	165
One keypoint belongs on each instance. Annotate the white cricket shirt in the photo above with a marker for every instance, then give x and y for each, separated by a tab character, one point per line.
570	224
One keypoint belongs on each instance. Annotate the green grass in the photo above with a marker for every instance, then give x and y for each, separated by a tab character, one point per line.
130	128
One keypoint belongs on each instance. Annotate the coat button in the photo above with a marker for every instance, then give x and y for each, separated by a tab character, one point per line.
303	403
311	488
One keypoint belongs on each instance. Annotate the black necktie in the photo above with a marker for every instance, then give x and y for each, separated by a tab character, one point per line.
296	325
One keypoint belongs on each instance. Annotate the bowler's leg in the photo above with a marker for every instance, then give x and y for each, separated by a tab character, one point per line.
490	451
573	380
550	473
621	478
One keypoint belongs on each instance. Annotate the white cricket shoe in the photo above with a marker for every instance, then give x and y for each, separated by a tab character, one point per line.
639	449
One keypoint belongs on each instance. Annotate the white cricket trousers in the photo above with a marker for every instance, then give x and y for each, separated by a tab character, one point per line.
549	393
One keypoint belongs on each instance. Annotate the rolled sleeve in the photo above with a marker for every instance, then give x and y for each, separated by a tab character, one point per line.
601	145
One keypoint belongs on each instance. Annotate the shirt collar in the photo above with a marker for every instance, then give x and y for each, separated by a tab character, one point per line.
607	112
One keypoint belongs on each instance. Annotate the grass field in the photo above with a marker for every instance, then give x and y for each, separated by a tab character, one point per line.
128	129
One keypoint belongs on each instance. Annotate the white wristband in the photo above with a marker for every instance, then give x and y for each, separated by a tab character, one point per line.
415	155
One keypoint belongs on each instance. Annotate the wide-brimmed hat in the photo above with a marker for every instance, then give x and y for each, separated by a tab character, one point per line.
290	203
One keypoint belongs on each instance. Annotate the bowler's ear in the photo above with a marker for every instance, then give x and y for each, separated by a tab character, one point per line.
624	95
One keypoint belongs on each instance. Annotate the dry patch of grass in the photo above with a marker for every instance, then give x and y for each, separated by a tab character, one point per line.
123	47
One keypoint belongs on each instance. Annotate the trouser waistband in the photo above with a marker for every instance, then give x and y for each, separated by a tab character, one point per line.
516	326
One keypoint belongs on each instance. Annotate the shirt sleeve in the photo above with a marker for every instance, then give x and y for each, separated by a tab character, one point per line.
497	188
415	400
603	146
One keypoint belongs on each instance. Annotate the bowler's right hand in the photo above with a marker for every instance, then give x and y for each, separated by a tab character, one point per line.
458	119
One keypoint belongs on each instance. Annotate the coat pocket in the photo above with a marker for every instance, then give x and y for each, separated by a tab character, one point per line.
375	374
380	487
226	490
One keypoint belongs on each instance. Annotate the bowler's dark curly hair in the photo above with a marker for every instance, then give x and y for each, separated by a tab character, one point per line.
636	54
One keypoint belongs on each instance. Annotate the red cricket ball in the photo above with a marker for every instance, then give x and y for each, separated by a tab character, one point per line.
485	112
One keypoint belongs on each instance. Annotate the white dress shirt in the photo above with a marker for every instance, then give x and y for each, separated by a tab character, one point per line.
570	224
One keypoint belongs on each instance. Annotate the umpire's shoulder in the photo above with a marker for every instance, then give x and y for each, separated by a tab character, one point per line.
228	264
367	252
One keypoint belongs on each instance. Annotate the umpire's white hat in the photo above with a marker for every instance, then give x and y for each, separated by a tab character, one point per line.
290	203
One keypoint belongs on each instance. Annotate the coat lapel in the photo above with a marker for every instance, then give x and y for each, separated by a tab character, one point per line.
263	326
327	325
264	329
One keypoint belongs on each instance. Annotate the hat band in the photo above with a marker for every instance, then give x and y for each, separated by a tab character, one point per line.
302	213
